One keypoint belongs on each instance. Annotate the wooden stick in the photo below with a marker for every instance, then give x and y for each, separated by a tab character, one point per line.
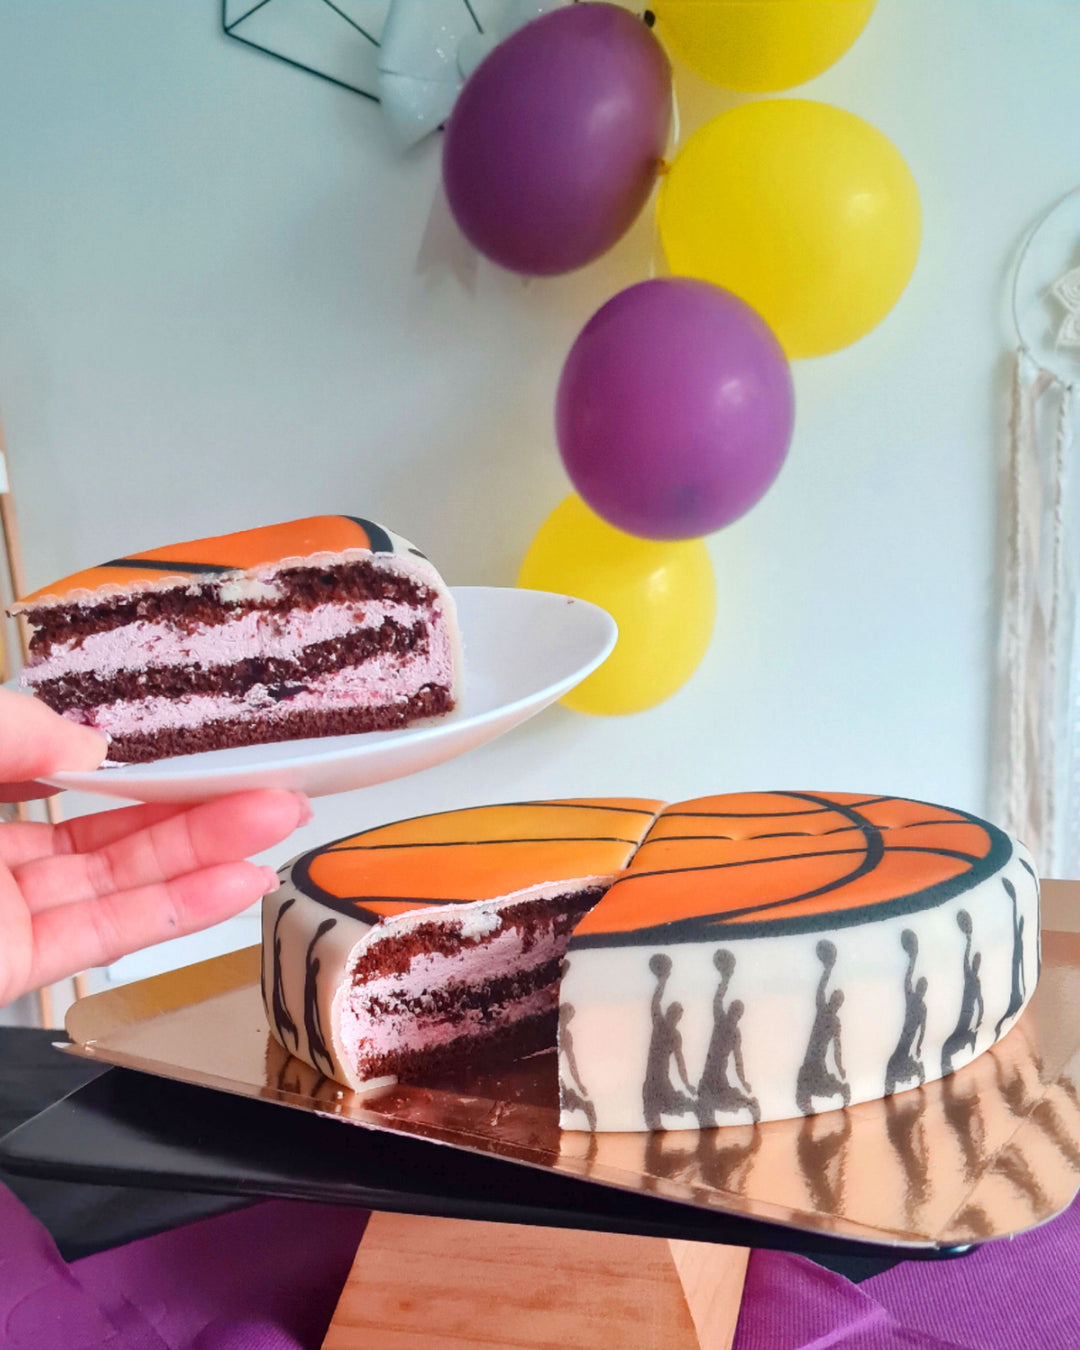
447	1284
712	1278
9	526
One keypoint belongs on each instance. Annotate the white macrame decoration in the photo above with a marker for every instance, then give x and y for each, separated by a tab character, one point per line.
410	56
1037	770
429	48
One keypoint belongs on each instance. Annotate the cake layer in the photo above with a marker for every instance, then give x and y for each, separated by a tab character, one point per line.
276	674
529	1033
146	645
186	606
384	679
467	976
282	724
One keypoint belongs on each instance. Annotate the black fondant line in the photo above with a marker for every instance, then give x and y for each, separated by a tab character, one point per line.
874	852
469	843
793	857
1019	985
379	540
354	907
712	927
771	815
344	842
789	834
278	1009
156	565
316	1038
742	815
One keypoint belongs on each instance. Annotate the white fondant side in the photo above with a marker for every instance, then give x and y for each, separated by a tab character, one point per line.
303	975
777	1057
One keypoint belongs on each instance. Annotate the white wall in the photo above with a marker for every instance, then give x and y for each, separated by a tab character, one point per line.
224	301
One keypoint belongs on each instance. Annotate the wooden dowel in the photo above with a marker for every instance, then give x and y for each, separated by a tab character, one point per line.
9	527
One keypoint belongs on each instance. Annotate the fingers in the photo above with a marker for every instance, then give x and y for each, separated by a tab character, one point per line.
35	742
87	834
21	841
77	936
166	848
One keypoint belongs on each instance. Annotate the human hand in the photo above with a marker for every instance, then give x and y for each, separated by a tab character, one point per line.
86	892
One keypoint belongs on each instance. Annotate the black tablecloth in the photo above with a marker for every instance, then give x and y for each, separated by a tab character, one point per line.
82	1219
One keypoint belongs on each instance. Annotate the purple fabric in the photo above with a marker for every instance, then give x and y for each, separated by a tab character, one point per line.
1019	1292
268	1278
265	1278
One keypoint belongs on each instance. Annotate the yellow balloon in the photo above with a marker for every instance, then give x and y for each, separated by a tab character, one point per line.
662	596
804	210
760	46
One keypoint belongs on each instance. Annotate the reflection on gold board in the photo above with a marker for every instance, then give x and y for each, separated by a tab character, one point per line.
992	1150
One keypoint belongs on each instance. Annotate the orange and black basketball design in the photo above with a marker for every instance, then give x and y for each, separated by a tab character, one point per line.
478	853
752	864
225	553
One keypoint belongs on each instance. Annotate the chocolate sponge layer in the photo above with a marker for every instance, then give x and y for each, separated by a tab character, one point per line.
279	725
197	604
284	674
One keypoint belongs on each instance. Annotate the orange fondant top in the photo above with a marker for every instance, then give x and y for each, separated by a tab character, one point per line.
788	860
728	866
476	854
242	552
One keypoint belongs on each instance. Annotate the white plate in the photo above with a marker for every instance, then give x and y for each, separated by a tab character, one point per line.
523	650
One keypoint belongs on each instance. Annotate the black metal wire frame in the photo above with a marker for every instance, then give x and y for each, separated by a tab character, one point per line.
229	29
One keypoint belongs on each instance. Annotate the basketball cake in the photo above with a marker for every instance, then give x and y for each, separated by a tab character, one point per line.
318	627
732	959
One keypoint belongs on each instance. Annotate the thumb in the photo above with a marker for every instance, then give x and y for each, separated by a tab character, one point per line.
35	741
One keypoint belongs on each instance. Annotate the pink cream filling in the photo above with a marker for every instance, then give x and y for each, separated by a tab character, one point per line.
365	1032
383	679
141	644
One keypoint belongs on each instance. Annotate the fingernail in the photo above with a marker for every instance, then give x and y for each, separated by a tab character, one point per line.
270	878
97	746
306	812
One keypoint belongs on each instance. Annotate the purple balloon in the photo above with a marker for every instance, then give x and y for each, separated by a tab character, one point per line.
553	144
675	409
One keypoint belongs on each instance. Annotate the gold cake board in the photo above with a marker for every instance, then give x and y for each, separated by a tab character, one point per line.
986	1153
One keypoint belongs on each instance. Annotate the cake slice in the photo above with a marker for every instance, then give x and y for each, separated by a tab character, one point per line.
434	942
317	627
